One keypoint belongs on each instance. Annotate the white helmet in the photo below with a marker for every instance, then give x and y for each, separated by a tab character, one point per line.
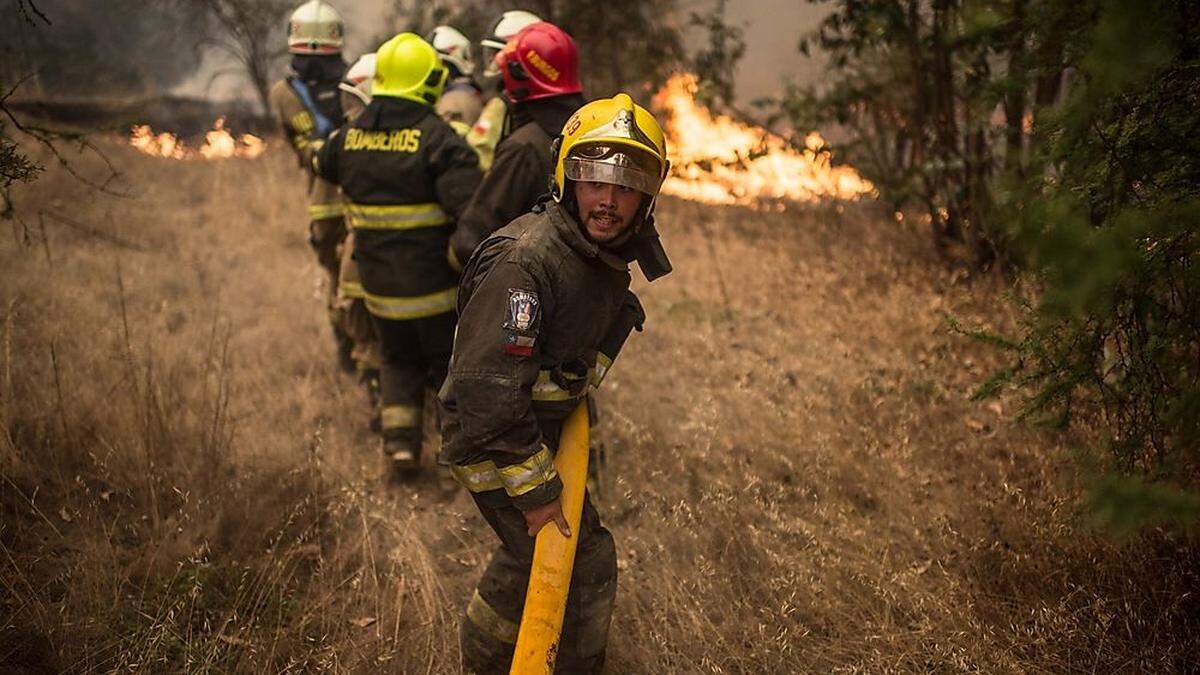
507	26
315	28
357	82
453	47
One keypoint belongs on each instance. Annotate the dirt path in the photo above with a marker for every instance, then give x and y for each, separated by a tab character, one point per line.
795	477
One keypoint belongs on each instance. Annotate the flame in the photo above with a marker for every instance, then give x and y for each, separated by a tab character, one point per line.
718	160
218	143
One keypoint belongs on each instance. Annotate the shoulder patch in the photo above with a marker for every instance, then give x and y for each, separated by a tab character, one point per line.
522	309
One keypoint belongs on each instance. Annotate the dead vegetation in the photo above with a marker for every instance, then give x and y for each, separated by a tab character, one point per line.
796	479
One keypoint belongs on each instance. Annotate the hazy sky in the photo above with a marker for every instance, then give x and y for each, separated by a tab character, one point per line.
771	28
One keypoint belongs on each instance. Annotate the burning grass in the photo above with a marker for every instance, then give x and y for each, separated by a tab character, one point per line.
717	160
796	480
219	143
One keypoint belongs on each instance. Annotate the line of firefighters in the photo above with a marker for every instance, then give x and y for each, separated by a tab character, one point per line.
480	250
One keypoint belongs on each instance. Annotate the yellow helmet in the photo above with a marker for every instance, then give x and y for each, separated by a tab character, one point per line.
408	67
315	28
611	140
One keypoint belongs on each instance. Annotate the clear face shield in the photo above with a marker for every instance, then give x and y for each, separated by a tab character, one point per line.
615	165
491	69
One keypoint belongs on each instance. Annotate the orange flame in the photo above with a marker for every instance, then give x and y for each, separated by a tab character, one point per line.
218	143
718	160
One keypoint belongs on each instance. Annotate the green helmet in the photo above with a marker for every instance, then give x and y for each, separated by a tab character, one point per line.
408	67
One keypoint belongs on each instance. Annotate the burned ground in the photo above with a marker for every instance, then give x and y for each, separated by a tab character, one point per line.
795	476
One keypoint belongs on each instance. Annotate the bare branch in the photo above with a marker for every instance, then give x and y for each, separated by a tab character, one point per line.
95	233
30	12
49	137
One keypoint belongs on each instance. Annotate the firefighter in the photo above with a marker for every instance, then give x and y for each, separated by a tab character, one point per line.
486	133
406	176
355	87
462	100
356	94
308	107
541	85
544	307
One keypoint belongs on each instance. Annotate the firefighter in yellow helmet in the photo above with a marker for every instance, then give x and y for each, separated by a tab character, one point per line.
406	177
307	106
544	307
486	132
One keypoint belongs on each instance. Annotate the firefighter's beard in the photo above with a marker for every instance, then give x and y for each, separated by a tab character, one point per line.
605	226
607	212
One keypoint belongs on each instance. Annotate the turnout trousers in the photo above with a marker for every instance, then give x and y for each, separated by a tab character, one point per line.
326	230
326	236
488	634
415	354
353	315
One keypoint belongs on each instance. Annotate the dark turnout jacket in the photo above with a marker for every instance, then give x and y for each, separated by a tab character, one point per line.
542	313
520	172
406	177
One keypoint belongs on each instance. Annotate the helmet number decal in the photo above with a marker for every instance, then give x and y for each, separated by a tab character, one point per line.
573	125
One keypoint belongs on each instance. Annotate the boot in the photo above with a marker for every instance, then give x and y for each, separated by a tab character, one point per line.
403	458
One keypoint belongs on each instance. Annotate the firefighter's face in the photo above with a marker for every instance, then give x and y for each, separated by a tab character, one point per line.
606	210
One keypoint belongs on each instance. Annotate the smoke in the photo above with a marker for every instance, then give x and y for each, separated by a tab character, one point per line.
772	29
118	47
150	48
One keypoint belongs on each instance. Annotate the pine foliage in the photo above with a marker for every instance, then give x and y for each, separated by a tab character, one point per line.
1062	138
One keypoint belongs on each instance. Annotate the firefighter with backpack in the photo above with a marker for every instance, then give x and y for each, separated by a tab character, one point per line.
307	104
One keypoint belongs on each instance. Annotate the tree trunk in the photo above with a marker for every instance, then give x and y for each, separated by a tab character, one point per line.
950	181
1015	96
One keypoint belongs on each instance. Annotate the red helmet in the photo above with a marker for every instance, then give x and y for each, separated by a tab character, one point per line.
540	61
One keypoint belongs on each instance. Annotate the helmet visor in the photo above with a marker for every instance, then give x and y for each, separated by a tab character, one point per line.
614	165
490	67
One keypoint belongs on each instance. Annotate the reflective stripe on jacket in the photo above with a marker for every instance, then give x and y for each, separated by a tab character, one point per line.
406	177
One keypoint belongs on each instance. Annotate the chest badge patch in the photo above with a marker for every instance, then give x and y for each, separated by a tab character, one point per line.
522	309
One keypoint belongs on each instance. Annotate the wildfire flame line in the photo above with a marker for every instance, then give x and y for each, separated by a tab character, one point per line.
717	160
218	143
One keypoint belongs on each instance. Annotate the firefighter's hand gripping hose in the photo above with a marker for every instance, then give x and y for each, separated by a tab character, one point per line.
554	557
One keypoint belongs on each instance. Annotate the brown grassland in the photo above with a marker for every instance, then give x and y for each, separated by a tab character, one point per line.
795	476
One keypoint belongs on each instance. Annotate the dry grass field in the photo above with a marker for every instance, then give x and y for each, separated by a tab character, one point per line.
795	476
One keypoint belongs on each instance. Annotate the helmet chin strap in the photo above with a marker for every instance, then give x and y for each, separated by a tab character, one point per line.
639	219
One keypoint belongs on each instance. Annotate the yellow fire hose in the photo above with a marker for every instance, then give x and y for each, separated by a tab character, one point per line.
554	557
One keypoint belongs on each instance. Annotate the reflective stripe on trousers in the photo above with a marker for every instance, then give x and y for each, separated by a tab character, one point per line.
416	307
398	217
502	588
400	417
486	619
